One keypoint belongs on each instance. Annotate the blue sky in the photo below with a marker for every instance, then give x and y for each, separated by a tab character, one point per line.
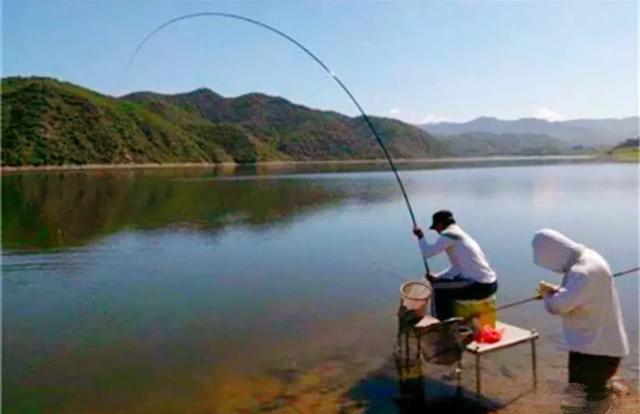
416	61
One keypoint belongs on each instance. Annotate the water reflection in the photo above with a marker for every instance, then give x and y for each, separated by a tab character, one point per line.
55	210
44	211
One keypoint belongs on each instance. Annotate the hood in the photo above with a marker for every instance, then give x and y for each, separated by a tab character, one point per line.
554	251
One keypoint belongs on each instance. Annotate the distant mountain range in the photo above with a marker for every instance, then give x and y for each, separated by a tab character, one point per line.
50	122
479	144
586	132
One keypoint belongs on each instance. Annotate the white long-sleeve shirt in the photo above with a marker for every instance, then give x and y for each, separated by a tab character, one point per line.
587	301
467	259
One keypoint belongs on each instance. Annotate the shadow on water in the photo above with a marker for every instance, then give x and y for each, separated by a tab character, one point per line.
381	392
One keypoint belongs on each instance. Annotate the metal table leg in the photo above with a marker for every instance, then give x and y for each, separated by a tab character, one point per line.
459	378
478	378
407	348
534	363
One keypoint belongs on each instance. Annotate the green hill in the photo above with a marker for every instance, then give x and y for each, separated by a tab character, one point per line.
626	151
489	144
49	122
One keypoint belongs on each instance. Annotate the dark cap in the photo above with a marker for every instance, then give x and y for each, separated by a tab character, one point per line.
442	217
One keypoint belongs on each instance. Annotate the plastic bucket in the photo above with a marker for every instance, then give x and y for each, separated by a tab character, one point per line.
415	295
482	311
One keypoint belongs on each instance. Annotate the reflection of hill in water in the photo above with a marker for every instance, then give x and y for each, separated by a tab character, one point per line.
59	210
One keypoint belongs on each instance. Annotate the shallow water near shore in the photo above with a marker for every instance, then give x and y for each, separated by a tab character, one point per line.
274	289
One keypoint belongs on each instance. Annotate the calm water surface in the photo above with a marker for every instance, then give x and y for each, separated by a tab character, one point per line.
240	291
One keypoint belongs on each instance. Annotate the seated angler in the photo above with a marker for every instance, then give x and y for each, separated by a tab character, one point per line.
470	277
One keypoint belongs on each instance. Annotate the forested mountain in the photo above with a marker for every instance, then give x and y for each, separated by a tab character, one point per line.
49	122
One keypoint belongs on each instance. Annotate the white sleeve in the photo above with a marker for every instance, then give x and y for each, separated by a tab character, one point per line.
430	250
448	273
568	297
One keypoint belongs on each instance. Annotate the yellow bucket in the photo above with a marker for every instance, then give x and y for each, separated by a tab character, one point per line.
484	308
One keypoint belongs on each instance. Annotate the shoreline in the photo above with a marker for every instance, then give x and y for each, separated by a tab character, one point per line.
151	166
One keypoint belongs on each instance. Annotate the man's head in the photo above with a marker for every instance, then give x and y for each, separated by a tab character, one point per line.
441	220
555	251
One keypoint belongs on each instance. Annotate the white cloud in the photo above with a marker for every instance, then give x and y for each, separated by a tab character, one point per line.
433	119
548	114
394	111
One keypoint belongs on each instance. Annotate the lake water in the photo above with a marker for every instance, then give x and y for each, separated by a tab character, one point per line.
254	290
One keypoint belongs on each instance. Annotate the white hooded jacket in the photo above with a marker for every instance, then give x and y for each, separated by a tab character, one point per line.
587	301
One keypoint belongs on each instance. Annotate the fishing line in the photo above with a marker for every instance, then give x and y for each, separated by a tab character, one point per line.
318	61
391	273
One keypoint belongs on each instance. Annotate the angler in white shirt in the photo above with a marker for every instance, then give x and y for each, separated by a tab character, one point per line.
589	306
470	275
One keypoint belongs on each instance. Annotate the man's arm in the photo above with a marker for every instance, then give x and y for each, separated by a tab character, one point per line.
430	250
568	297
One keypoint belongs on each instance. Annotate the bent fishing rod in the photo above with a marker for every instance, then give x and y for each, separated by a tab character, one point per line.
318	61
